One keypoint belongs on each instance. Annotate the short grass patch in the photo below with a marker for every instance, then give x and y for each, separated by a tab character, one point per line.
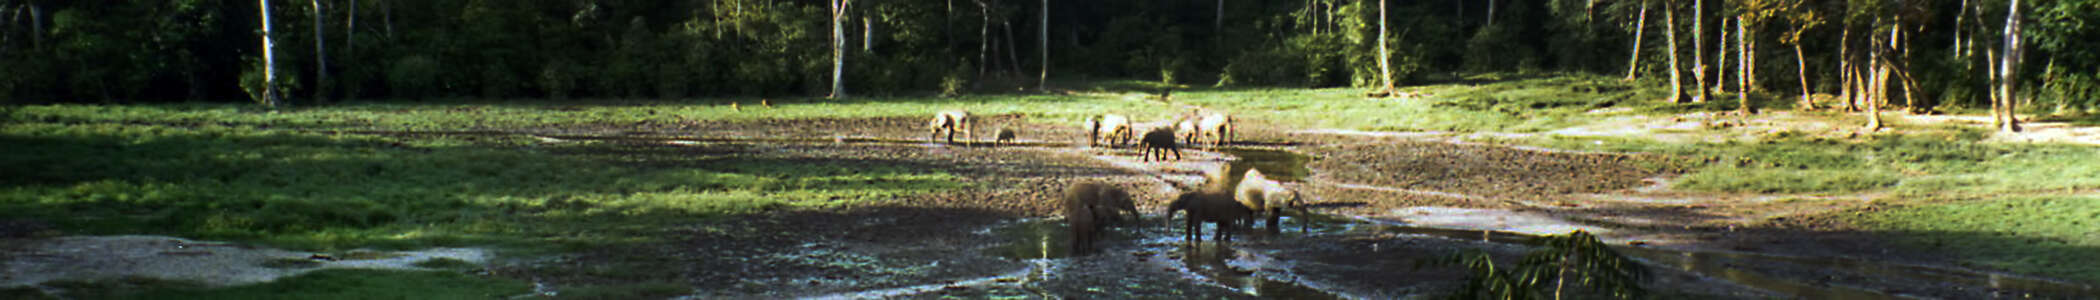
316	191
350	284
1913	164
2051	236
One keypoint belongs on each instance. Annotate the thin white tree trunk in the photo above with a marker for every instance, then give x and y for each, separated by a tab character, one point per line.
1699	50
1742	79
1633	63
2010	77
1670	34
269	60
1385	71
1042	81
1721	60
321	84
1801	64
838	49
350	44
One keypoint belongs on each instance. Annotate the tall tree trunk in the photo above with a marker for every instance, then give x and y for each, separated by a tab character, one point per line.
2010	81
1670	34
1742	79
1960	16
386	11
1385	70
1845	68
867	34
1991	62
270	97
1042	82
1699	50
1217	25
350	48
1491	13
36	26
1633	63
1801	64
1721	60
838	49
984	40
321	83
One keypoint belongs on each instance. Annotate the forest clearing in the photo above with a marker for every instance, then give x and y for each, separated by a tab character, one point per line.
841	149
847	198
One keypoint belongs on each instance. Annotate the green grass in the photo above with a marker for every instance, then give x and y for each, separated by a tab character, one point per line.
1912	164
1518	103
2052	236
329	284
320	192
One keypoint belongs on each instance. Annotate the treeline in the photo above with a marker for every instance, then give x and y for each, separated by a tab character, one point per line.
1938	52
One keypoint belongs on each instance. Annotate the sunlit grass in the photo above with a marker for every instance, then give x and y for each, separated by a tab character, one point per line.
2038	235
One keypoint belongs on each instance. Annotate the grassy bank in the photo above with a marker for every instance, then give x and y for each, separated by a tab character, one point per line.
2038	235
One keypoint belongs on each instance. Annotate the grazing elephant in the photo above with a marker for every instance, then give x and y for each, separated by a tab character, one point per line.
1186	129
1162	141
1217	127
1209	206
1266	197
950	122
1005	136
1114	207
1090	205
1115	129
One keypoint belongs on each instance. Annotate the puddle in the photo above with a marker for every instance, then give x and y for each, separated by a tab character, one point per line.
1279	165
90	258
1232	266
1044	244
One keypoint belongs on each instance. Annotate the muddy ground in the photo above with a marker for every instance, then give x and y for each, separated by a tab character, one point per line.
963	243
1384	205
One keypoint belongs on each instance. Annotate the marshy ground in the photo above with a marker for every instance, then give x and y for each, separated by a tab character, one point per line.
672	200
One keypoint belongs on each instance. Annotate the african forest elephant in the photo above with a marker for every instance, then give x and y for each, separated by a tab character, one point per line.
1209	206
1161	140
1115	129
949	122
1090	205
1266	197
1216	127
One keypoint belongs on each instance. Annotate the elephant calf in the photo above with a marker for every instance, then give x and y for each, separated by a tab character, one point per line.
1266	197
1209	206
1088	206
1162	141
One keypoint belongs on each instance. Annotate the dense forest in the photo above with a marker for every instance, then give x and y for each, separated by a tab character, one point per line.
1912	54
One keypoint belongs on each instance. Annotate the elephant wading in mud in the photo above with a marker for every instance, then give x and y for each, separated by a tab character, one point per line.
1161	140
1209	206
1267	197
1090	206
950	122
1111	128
1217	128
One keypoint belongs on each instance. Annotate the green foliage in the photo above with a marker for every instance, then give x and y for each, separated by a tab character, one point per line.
1577	259
414	76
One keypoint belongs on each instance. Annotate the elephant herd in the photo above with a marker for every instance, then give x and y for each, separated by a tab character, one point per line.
1216	129
1090	206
